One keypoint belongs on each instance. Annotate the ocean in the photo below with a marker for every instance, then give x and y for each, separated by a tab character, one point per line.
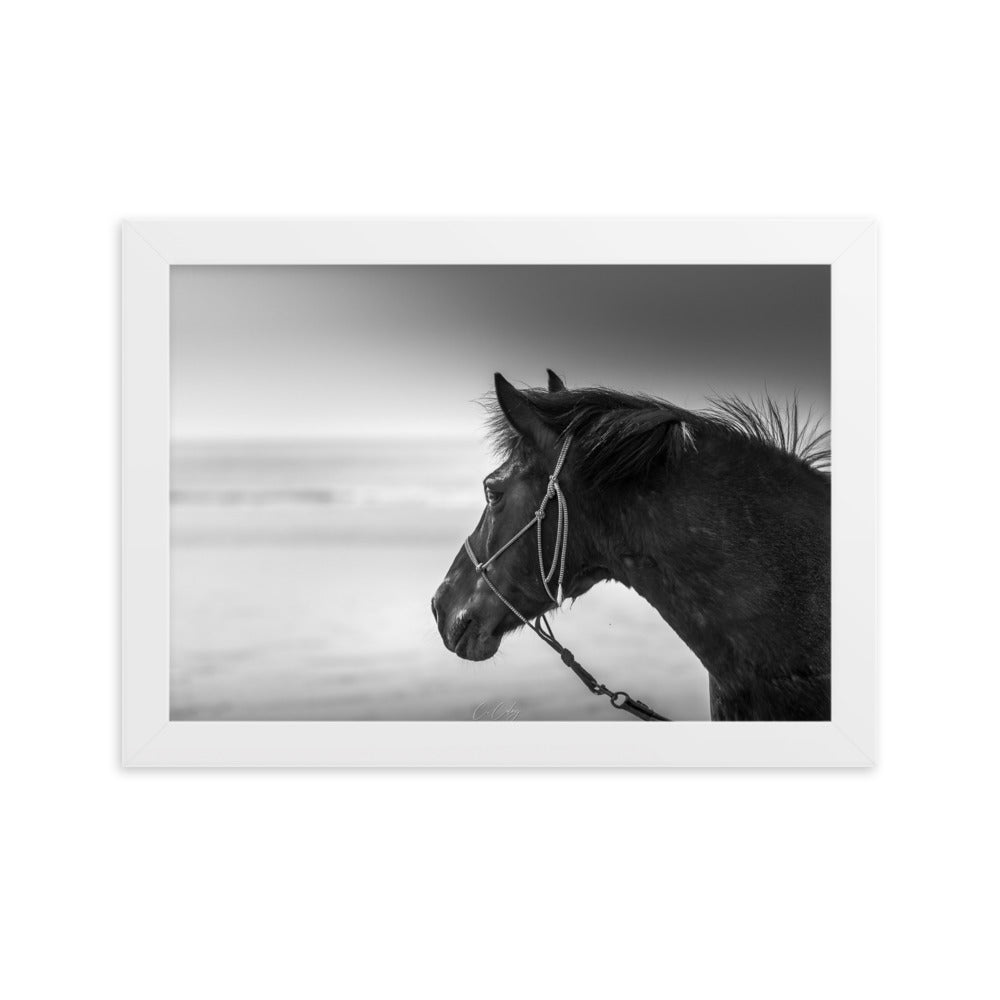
301	579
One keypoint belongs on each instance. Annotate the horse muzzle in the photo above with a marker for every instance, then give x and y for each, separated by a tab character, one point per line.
472	630
467	636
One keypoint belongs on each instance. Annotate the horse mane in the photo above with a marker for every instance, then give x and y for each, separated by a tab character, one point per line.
776	425
623	435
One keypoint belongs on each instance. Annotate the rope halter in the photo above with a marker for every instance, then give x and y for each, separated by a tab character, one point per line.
540	626
562	540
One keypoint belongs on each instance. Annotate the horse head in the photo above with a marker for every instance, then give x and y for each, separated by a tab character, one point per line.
496	580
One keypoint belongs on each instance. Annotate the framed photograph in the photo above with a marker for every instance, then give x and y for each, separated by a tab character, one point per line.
499	492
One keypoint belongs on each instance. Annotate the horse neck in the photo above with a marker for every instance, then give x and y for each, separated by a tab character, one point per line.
733	552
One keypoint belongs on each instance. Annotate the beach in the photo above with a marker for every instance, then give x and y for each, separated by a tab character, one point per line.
301	578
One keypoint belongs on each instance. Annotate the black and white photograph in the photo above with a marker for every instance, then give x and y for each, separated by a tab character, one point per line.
500	500
500	493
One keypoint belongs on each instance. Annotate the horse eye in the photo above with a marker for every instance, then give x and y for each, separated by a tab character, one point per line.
492	496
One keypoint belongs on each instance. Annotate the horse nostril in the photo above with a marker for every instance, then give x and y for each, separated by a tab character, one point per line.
434	608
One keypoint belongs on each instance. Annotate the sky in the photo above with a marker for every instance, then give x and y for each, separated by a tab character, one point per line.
357	351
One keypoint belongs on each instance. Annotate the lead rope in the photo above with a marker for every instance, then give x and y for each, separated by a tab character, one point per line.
540	626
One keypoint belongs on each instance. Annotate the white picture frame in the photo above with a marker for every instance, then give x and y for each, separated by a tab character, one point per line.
151	247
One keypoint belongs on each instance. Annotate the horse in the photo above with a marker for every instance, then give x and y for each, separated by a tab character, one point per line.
718	518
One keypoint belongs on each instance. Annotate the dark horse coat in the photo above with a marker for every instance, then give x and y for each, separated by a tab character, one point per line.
720	520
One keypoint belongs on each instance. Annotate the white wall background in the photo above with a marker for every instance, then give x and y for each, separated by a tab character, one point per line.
498	884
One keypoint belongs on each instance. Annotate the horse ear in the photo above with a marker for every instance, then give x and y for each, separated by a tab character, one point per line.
522	415
556	384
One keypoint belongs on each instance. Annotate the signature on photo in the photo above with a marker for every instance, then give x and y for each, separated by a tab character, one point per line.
496	711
